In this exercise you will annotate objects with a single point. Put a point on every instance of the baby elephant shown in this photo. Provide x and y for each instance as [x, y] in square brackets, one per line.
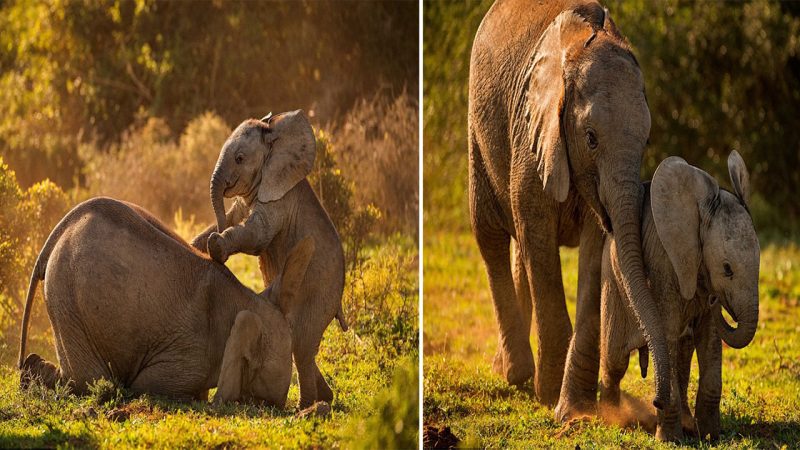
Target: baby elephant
[130, 301]
[264, 163]
[701, 254]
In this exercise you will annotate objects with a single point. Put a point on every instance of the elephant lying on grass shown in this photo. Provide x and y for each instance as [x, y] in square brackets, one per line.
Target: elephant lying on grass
[702, 254]
[264, 163]
[130, 301]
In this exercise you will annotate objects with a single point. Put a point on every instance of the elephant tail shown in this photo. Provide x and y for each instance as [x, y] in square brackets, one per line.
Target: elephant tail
[36, 276]
[340, 318]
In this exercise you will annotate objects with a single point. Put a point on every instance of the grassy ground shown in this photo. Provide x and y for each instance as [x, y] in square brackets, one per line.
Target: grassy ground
[761, 383]
[372, 369]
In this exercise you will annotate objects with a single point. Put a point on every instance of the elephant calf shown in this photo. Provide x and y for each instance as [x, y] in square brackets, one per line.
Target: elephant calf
[702, 254]
[264, 164]
[130, 301]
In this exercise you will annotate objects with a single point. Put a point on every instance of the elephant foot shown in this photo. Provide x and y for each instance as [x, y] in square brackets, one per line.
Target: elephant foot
[36, 369]
[669, 430]
[668, 436]
[708, 427]
[324, 392]
[567, 410]
[516, 370]
[548, 393]
[216, 248]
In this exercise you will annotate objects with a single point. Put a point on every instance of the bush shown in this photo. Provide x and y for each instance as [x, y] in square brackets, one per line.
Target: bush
[354, 223]
[377, 146]
[150, 169]
[26, 219]
[395, 423]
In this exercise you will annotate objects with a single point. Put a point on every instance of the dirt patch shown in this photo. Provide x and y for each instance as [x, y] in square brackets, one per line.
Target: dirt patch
[631, 413]
[439, 437]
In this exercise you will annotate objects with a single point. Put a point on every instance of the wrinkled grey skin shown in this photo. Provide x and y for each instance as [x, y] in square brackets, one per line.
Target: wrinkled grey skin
[264, 163]
[702, 254]
[558, 123]
[132, 302]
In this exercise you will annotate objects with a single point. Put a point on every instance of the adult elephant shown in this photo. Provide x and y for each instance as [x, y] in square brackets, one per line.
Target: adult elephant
[558, 123]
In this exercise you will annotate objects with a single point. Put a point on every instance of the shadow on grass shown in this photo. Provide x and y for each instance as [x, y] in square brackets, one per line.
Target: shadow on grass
[780, 433]
[52, 437]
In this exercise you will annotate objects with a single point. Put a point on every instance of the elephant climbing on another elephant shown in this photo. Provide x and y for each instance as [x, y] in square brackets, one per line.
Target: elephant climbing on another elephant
[130, 301]
[702, 255]
[264, 163]
[558, 123]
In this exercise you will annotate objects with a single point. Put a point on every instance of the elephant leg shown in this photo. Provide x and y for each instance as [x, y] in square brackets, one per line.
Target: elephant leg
[515, 361]
[685, 353]
[516, 358]
[250, 237]
[579, 386]
[553, 327]
[36, 369]
[709, 389]
[522, 289]
[614, 351]
[669, 419]
[305, 345]
[324, 392]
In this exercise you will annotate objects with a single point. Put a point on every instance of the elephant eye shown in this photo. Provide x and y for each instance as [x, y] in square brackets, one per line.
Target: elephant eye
[728, 270]
[239, 158]
[591, 139]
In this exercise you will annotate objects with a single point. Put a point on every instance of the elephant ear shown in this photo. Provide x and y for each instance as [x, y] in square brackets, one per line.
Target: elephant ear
[740, 179]
[560, 42]
[680, 195]
[292, 145]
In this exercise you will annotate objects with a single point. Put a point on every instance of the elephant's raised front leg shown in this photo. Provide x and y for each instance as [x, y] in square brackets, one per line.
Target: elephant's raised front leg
[235, 215]
[579, 386]
[251, 237]
[709, 390]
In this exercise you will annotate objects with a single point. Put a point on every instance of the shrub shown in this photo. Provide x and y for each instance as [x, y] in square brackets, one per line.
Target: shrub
[354, 223]
[394, 423]
[377, 146]
[26, 219]
[150, 169]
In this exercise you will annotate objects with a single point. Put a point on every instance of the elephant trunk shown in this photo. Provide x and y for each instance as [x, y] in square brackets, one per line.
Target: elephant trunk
[742, 335]
[626, 222]
[218, 186]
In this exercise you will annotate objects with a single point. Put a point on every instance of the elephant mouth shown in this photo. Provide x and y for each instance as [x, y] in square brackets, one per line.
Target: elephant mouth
[725, 306]
[230, 188]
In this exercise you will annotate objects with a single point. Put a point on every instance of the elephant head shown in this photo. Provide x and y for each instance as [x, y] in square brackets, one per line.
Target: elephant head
[257, 362]
[708, 230]
[263, 159]
[588, 125]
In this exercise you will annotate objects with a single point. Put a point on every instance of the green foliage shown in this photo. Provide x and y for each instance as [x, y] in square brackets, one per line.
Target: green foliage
[395, 422]
[76, 72]
[760, 405]
[354, 223]
[106, 393]
[377, 145]
[169, 174]
[26, 218]
[719, 76]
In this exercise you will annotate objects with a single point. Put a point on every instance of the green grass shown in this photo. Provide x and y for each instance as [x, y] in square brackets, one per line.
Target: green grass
[372, 369]
[761, 384]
